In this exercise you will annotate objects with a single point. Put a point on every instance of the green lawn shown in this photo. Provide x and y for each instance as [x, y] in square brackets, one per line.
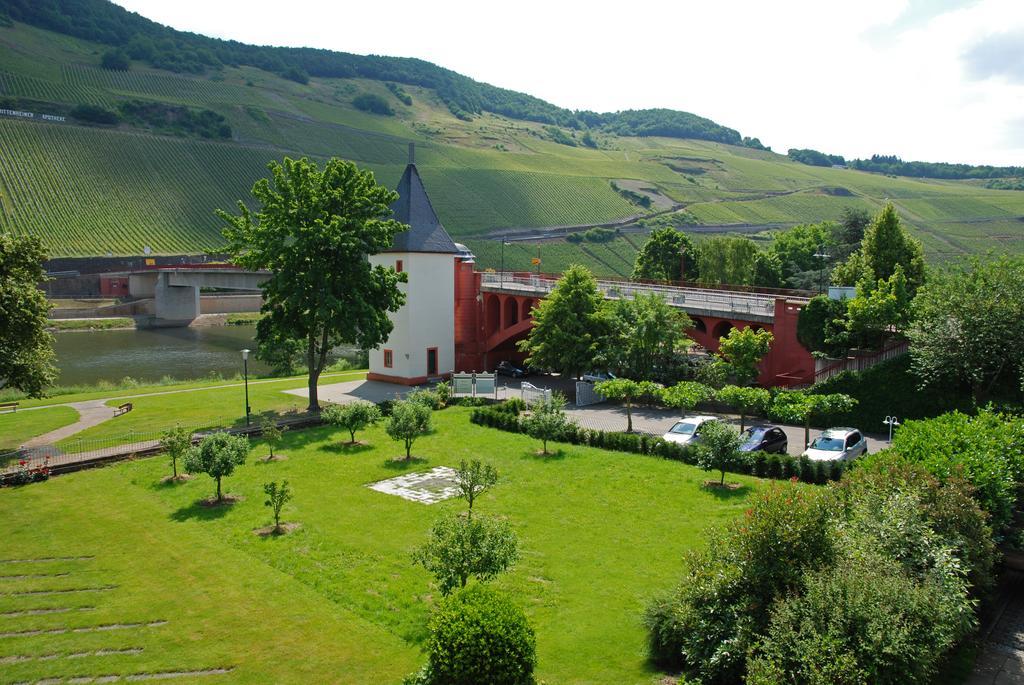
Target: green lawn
[17, 427]
[338, 599]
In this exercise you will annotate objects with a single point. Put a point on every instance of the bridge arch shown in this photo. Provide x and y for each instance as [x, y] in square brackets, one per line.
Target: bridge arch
[721, 330]
[492, 314]
[511, 317]
[527, 309]
[698, 325]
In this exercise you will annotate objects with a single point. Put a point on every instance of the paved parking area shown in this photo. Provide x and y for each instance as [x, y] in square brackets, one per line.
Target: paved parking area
[657, 421]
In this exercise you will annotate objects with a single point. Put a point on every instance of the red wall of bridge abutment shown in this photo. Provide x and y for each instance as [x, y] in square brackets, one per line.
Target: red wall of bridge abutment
[481, 316]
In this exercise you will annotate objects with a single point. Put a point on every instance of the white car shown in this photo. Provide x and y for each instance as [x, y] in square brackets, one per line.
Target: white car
[598, 376]
[687, 431]
[837, 444]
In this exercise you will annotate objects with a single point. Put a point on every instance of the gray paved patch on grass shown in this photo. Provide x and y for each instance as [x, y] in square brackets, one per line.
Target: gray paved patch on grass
[428, 487]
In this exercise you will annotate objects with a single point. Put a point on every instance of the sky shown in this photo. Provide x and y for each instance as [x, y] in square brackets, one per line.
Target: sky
[932, 80]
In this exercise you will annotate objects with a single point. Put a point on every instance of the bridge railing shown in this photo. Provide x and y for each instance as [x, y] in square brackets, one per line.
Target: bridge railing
[698, 298]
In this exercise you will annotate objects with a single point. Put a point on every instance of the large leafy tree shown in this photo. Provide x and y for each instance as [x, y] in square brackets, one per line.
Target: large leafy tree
[879, 310]
[461, 547]
[646, 336]
[668, 255]
[745, 400]
[719, 448]
[569, 326]
[26, 349]
[728, 260]
[314, 230]
[743, 349]
[887, 245]
[968, 326]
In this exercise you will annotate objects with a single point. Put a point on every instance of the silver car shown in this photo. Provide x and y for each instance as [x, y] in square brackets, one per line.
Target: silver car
[687, 431]
[841, 444]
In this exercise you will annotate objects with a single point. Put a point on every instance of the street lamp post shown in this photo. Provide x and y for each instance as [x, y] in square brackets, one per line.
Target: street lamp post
[245, 367]
[891, 422]
[504, 242]
[822, 255]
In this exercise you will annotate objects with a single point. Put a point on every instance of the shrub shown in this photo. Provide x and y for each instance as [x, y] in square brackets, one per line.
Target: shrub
[428, 398]
[352, 416]
[724, 600]
[513, 405]
[408, 421]
[987, 450]
[373, 103]
[115, 59]
[461, 547]
[864, 621]
[479, 636]
[217, 455]
[95, 115]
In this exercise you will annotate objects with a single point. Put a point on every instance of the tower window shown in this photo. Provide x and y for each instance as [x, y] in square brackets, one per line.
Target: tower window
[389, 359]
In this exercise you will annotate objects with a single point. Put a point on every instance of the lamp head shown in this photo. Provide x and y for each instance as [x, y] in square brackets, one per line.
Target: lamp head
[245, 354]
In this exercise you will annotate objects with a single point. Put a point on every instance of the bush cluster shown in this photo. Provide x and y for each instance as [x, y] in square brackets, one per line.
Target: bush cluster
[505, 416]
[373, 103]
[872, 580]
[478, 636]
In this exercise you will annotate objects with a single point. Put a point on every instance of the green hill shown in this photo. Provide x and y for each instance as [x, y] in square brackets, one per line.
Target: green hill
[93, 189]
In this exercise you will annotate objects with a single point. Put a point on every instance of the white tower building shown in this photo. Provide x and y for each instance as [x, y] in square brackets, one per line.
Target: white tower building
[422, 343]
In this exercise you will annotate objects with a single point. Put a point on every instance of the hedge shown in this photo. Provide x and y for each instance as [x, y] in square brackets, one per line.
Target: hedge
[505, 417]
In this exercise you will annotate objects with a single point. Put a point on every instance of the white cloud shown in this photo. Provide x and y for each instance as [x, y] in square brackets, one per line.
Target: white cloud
[847, 78]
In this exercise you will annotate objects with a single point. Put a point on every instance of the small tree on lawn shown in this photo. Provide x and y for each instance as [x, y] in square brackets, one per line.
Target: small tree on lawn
[352, 416]
[176, 442]
[271, 432]
[408, 421]
[626, 391]
[547, 420]
[687, 395]
[472, 478]
[800, 407]
[719, 448]
[744, 400]
[277, 497]
[217, 456]
[461, 548]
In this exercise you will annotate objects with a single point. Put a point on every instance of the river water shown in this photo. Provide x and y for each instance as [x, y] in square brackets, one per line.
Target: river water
[87, 357]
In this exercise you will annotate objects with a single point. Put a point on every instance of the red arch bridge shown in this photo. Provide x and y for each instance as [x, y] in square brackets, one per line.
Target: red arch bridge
[493, 313]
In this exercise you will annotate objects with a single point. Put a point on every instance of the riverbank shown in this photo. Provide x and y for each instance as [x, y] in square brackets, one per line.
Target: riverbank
[209, 403]
[124, 323]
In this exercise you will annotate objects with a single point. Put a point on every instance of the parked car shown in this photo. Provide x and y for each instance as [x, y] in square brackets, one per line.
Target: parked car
[686, 431]
[507, 368]
[766, 438]
[837, 443]
[598, 376]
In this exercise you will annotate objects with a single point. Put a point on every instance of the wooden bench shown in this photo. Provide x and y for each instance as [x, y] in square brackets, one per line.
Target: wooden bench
[123, 409]
[9, 406]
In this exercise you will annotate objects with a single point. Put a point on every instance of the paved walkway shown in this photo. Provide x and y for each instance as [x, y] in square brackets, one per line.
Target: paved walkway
[1001, 658]
[90, 413]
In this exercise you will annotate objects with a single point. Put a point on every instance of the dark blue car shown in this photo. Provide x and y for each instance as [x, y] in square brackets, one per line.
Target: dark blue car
[766, 438]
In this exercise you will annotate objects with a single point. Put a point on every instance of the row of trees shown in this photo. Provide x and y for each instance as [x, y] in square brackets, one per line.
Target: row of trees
[797, 257]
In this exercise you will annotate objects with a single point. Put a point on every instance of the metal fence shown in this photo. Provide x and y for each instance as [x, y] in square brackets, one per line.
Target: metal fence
[890, 351]
[77, 452]
[694, 298]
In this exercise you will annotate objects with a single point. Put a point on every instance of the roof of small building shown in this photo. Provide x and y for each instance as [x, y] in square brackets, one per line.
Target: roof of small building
[425, 234]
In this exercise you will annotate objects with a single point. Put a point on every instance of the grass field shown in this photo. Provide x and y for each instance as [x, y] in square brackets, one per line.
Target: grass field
[93, 190]
[338, 600]
[17, 427]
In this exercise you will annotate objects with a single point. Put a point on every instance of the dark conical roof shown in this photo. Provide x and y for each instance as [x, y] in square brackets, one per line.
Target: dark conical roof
[425, 234]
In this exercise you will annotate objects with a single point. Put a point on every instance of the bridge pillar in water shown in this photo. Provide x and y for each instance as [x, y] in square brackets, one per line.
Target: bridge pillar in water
[175, 303]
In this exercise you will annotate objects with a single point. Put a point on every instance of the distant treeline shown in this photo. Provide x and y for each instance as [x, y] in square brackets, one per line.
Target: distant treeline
[893, 165]
[166, 48]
